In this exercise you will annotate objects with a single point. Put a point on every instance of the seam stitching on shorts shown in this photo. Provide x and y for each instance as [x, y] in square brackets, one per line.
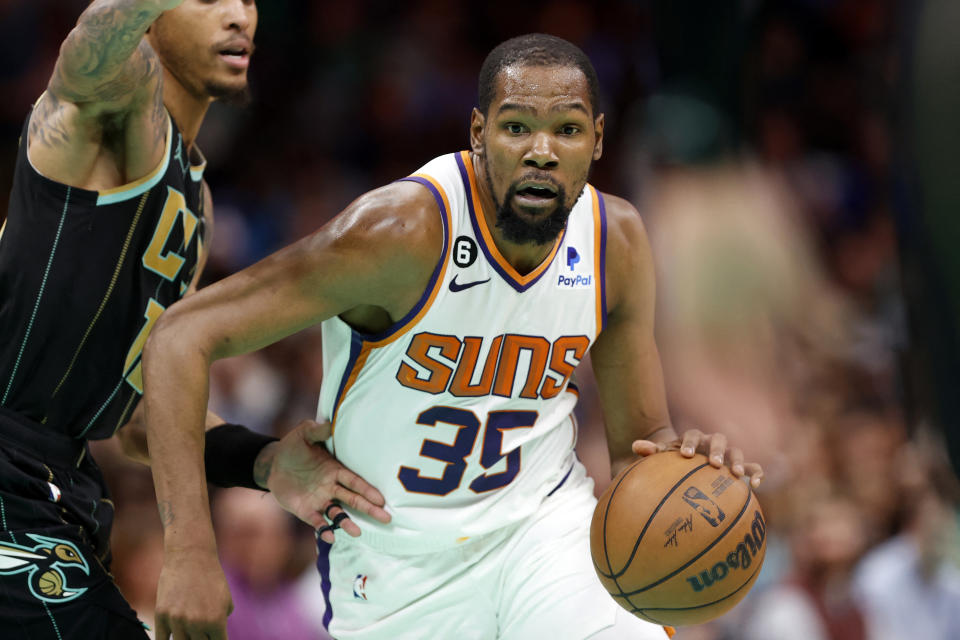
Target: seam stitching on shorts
[52, 619]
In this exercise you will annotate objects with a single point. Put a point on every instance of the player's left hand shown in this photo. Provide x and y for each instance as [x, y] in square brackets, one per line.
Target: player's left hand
[712, 445]
[312, 484]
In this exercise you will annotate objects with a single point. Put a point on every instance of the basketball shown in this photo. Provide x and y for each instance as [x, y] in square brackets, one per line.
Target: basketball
[676, 541]
[50, 583]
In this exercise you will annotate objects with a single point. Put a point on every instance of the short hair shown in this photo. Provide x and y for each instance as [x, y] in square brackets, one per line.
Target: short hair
[535, 50]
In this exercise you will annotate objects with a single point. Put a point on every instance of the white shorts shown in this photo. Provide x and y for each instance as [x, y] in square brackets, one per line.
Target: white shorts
[534, 579]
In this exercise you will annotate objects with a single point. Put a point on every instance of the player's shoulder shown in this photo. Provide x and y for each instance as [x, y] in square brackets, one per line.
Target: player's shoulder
[628, 256]
[625, 228]
[621, 213]
[402, 209]
[401, 219]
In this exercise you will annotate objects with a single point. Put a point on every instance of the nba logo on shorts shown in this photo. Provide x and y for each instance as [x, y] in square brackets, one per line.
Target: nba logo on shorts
[360, 587]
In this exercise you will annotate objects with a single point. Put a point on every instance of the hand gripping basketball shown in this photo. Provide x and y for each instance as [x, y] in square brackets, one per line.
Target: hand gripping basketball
[676, 540]
[713, 445]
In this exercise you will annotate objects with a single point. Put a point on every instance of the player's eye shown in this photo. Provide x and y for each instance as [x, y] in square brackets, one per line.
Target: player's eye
[515, 128]
[569, 130]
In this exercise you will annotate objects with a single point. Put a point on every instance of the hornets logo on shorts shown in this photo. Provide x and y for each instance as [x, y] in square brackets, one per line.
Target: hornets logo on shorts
[44, 565]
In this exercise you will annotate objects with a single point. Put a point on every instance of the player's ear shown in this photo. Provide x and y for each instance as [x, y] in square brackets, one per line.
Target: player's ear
[598, 132]
[477, 122]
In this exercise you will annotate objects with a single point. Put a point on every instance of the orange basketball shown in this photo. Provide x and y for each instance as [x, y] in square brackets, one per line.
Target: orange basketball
[676, 541]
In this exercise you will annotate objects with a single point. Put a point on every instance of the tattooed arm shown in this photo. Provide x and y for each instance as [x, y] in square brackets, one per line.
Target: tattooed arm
[104, 59]
[101, 122]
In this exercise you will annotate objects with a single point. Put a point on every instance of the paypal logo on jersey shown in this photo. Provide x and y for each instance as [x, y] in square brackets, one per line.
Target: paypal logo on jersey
[573, 281]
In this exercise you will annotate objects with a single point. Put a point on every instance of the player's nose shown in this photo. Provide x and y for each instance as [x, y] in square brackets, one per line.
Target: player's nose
[541, 153]
[236, 14]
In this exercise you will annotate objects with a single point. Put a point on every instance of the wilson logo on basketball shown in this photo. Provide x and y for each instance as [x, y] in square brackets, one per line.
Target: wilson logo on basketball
[739, 558]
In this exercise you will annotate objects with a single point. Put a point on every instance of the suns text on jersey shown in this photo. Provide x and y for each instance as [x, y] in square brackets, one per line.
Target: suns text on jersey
[437, 363]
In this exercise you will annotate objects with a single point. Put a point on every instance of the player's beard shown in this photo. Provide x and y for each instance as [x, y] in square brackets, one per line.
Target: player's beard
[520, 231]
[236, 96]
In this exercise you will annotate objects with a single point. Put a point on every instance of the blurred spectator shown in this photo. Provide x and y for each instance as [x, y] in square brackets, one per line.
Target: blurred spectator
[257, 543]
[909, 585]
[814, 602]
[137, 543]
[749, 324]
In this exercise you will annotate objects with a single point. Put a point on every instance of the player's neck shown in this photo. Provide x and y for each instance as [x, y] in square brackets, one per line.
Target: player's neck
[523, 257]
[186, 108]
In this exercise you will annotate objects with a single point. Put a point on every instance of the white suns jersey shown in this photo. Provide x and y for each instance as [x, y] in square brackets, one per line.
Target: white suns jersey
[461, 413]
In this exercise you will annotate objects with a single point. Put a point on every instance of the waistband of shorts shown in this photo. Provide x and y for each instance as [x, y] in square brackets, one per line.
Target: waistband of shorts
[416, 545]
[40, 441]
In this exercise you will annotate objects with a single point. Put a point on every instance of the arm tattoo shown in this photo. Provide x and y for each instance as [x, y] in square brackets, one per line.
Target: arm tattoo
[104, 58]
[47, 124]
[158, 115]
[166, 513]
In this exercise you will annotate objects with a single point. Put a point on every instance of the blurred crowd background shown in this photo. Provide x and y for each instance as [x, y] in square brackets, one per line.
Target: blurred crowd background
[761, 140]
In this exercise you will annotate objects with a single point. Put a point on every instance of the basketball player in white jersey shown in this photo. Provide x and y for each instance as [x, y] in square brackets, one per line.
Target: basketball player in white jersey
[456, 304]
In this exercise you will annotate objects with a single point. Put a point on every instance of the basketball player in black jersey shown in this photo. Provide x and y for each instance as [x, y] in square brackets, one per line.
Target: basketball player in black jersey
[108, 225]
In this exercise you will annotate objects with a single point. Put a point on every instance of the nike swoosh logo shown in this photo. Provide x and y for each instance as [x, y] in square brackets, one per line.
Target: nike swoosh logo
[466, 285]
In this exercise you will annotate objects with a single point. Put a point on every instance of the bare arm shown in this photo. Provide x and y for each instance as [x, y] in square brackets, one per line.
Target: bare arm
[627, 364]
[133, 434]
[625, 359]
[104, 57]
[377, 255]
[105, 92]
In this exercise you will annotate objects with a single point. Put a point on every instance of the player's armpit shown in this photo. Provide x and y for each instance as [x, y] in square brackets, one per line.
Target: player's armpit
[107, 85]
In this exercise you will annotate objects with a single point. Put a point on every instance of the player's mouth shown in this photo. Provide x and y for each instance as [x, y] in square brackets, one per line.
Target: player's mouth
[236, 53]
[535, 194]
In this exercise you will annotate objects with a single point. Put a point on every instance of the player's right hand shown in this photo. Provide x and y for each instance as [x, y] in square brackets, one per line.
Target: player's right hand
[193, 599]
[312, 484]
[712, 445]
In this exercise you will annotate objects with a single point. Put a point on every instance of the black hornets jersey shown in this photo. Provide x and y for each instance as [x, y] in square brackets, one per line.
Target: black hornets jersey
[84, 275]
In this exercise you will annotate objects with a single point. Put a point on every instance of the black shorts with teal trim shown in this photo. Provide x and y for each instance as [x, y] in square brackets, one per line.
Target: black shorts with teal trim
[55, 521]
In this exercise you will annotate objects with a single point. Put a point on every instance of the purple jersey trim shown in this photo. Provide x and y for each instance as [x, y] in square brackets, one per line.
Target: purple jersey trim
[323, 566]
[602, 276]
[565, 476]
[356, 346]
